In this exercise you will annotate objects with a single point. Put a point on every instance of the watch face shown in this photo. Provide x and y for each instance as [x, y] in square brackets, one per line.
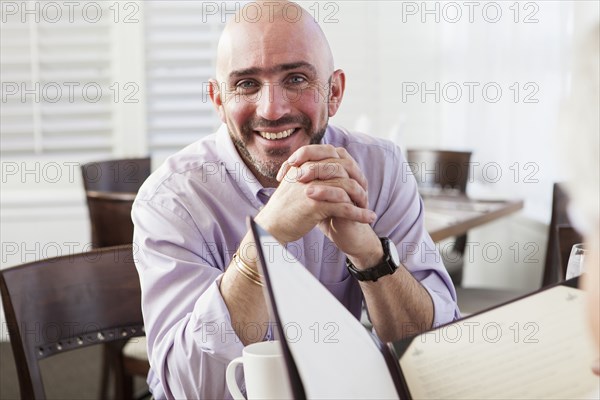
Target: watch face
[394, 253]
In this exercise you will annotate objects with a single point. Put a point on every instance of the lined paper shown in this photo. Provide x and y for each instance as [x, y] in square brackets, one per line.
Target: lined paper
[537, 347]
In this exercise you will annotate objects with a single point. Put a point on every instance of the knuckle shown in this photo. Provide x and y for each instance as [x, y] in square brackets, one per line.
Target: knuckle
[348, 208]
[330, 148]
[334, 169]
[292, 174]
[342, 152]
[309, 170]
[342, 195]
[300, 153]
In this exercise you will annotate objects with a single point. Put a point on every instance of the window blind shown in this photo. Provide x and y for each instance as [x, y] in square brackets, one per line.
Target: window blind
[56, 74]
[181, 43]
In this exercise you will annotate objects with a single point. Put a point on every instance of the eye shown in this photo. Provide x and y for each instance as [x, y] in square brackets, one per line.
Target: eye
[246, 85]
[297, 80]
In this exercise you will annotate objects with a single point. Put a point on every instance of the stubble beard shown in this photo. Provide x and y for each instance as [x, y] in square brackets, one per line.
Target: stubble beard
[267, 169]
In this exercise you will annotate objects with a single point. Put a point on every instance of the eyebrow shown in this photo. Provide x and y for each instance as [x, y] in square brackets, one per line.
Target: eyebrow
[278, 68]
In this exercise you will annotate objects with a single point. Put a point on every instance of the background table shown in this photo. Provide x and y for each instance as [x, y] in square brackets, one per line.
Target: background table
[448, 216]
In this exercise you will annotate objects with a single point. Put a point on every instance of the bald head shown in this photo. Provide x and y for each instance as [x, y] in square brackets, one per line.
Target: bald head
[262, 31]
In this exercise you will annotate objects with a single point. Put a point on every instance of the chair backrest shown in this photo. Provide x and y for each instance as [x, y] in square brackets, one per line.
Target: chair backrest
[120, 176]
[110, 188]
[110, 218]
[567, 238]
[443, 168]
[559, 217]
[69, 302]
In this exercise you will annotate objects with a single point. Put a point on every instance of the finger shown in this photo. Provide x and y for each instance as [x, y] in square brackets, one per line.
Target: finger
[347, 211]
[321, 170]
[330, 194]
[330, 169]
[283, 170]
[312, 152]
[352, 167]
[355, 193]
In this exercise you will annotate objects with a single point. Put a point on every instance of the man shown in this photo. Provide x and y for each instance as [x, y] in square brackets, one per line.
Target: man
[323, 192]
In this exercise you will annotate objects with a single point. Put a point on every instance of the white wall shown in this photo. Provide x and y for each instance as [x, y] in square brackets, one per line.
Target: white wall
[513, 133]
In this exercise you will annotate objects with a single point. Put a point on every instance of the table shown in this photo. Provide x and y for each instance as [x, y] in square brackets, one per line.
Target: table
[448, 216]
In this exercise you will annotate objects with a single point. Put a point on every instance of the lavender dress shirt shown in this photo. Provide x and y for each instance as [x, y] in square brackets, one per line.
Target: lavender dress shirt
[189, 219]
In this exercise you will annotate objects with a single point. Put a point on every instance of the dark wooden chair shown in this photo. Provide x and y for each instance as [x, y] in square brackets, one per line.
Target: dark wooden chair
[82, 299]
[567, 237]
[110, 218]
[552, 269]
[111, 187]
[119, 175]
[447, 171]
[442, 168]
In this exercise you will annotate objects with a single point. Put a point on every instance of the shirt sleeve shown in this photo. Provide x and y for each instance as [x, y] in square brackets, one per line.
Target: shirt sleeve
[188, 328]
[401, 218]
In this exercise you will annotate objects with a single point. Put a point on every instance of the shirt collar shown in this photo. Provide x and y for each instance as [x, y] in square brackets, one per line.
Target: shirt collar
[237, 169]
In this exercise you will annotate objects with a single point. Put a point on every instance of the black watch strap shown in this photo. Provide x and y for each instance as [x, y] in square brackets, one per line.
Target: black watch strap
[387, 266]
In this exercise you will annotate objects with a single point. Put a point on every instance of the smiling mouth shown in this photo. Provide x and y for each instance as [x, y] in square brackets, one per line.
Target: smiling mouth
[277, 135]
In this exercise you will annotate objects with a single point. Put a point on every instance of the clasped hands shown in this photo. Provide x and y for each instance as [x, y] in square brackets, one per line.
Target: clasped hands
[321, 185]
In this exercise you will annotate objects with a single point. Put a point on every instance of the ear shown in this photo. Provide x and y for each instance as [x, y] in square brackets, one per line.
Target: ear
[336, 91]
[215, 97]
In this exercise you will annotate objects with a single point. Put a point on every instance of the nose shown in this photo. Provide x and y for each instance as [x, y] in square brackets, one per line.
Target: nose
[272, 103]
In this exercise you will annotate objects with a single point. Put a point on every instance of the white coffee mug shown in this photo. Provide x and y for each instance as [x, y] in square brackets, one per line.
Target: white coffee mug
[264, 372]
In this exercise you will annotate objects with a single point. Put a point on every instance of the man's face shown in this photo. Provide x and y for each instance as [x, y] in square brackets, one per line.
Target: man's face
[275, 95]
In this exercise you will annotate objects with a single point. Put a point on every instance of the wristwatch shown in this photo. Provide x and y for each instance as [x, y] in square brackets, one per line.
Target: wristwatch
[389, 265]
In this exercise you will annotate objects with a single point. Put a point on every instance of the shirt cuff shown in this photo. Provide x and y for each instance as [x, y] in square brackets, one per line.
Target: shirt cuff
[445, 309]
[212, 327]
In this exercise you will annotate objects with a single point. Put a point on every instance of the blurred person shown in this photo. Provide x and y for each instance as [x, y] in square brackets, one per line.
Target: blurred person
[343, 204]
[580, 132]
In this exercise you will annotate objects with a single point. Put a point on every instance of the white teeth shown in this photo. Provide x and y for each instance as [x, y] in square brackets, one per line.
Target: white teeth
[278, 135]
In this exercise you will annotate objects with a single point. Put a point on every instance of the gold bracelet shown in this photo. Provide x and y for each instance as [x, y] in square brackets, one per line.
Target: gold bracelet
[246, 271]
[246, 266]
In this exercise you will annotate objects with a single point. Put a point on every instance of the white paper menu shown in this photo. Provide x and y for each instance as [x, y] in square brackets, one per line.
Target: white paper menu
[535, 348]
